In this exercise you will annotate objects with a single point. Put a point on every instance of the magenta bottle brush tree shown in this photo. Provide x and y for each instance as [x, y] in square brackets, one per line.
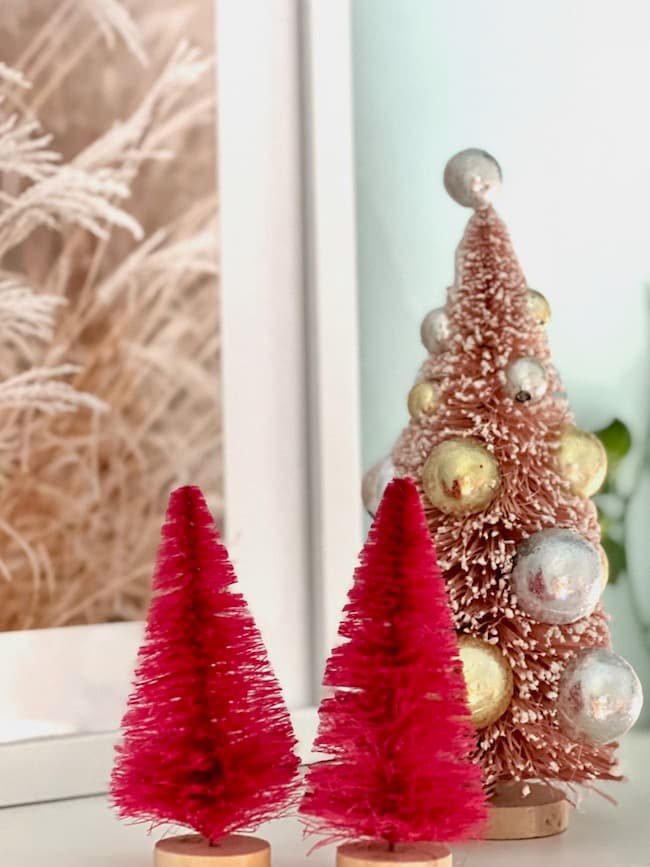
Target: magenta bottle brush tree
[207, 739]
[395, 730]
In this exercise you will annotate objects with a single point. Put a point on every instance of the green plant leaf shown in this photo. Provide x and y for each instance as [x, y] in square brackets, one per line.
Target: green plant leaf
[617, 440]
[605, 522]
[617, 557]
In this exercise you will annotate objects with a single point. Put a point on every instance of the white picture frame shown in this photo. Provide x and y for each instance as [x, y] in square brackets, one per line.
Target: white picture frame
[290, 397]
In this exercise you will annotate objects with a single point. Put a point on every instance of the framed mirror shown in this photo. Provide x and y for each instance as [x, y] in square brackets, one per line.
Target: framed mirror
[250, 213]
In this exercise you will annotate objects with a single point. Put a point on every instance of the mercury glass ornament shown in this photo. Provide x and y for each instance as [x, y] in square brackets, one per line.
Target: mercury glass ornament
[582, 461]
[488, 678]
[374, 484]
[538, 307]
[434, 330]
[526, 378]
[461, 476]
[599, 697]
[558, 576]
[423, 399]
[604, 559]
[473, 178]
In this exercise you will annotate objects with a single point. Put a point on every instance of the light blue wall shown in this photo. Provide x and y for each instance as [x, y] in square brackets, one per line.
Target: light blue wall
[558, 93]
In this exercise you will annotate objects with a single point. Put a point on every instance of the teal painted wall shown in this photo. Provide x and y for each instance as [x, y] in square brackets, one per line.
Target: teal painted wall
[557, 93]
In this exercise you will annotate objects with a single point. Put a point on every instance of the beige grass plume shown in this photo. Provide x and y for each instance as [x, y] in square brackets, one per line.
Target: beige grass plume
[109, 309]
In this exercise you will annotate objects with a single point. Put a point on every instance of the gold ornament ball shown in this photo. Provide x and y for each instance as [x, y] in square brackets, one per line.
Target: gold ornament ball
[488, 678]
[582, 461]
[423, 399]
[461, 476]
[538, 307]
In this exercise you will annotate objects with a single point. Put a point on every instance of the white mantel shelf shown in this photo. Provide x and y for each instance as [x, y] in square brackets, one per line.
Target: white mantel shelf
[84, 833]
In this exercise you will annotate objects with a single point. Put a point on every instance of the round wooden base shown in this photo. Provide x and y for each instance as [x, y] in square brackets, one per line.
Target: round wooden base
[520, 811]
[378, 855]
[192, 850]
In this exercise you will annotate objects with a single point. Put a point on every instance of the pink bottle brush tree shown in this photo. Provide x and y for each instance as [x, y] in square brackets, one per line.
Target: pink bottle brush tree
[506, 480]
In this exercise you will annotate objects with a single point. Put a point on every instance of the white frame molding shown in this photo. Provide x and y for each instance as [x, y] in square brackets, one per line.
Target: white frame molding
[80, 765]
[332, 314]
[291, 398]
[264, 354]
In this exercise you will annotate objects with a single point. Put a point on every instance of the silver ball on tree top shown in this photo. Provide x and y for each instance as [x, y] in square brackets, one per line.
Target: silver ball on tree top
[599, 697]
[526, 378]
[557, 576]
[435, 330]
[374, 484]
[472, 178]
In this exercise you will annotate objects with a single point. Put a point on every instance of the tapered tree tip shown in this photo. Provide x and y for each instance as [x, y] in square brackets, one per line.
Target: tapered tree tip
[186, 495]
[187, 503]
[400, 492]
[401, 506]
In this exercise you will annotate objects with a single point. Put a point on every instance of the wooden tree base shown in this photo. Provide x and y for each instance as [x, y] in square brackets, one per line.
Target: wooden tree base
[378, 855]
[192, 850]
[515, 815]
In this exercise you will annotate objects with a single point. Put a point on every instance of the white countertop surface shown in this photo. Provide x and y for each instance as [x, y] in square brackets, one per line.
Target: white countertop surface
[84, 833]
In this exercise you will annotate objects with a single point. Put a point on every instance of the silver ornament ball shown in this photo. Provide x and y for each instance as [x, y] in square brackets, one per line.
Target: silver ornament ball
[557, 576]
[374, 484]
[472, 178]
[526, 379]
[599, 697]
[435, 330]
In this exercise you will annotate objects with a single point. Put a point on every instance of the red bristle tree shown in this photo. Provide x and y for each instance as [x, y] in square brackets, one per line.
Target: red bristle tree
[396, 728]
[207, 739]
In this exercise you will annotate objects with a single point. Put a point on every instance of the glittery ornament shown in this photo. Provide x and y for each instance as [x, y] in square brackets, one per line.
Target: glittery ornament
[461, 476]
[604, 560]
[582, 461]
[374, 484]
[488, 678]
[538, 307]
[434, 330]
[472, 178]
[423, 399]
[526, 379]
[600, 696]
[558, 576]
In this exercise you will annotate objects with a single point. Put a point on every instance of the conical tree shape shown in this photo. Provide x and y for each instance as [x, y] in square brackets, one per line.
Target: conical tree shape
[396, 729]
[490, 325]
[207, 739]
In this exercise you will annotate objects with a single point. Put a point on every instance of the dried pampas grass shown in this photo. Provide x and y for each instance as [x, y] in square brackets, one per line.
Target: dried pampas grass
[109, 325]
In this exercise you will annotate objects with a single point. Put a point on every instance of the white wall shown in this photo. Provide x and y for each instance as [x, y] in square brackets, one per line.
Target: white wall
[558, 92]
